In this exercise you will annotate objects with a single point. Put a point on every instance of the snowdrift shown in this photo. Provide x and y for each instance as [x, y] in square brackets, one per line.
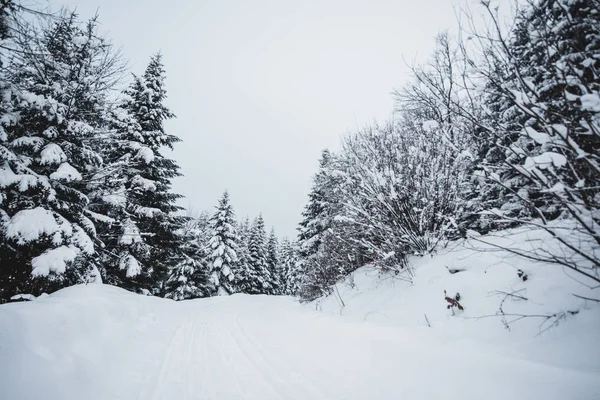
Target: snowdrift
[523, 308]
[100, 342]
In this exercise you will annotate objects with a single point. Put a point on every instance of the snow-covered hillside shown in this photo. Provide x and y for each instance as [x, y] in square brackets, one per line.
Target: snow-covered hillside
[101, 342]
[522, 308]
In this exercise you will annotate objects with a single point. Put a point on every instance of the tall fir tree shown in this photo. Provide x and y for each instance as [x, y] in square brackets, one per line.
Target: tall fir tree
[223, 247]
[145, 240]
[290, 273]
[259, 280]
[190, 277]
[59, 85]
[242, 267]
[316, 217]
[316, 240]
[273, 262]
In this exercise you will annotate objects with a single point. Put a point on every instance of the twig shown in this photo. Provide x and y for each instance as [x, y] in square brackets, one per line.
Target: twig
[586, 298]
[513, 294]
[427, 320]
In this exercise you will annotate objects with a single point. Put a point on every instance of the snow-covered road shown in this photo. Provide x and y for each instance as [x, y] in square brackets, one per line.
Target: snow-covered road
[102, 343]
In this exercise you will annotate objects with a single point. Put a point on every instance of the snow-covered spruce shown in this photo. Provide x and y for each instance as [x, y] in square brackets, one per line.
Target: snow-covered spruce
[53, 96]
[223, 246]
[141, 243]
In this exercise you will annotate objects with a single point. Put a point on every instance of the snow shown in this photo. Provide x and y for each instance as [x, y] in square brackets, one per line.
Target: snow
[51, 132]
[146, 154]
[31, 98]
[28, 297]
[538, 137]
[545, 160]
[32, 142]
[590, 102]
[52, 154]
[100, 217]
[29, 225]
[493, 296]
[431, 125]
[131, 233]
[117, 198]
[143, 183]
[390, 338]
[82, 240]
[8, 178]
[130, 265]
[54, 260]
[66, 172]
[148, 211]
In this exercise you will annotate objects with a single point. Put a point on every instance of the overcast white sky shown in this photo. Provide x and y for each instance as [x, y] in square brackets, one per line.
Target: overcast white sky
[261, 87]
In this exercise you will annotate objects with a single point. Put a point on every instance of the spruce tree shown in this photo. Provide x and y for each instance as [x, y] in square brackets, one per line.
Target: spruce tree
[316, 215]
[143, 242]
[260, 278]
[316, 241]
[290, 273]
[242, 267]
[58, 83]
[223, 246]
[189, 278]
[273, 262]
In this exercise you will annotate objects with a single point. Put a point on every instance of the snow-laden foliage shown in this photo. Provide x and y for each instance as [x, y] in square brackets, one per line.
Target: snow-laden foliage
[223, 246]
[273, 261]
[289, 268]
[85, 192]
[541, 126]
[256, 278]
[54, 90]
[497, 130]
[134, 189]
[189, 278]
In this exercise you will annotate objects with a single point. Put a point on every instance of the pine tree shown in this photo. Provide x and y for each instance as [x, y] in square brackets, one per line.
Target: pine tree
[141, 237]
[223, 246]
[59, 84]
[242, 267]
[273, 262]
[259, 277]
[203, 234]
[319, 247]
[317, 214]
[189, 278]
[290, 273]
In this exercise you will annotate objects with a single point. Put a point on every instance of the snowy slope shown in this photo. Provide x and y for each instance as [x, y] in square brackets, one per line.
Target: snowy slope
[542, 321]
[100, 342]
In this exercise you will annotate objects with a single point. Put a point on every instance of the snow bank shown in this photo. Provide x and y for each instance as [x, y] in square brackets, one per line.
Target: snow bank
[29, 225]
[71, 344]
[522, 308]
[393, 340]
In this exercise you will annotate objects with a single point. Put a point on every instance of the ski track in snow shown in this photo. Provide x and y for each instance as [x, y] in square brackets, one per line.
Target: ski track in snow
[251, 347]
[236, 357]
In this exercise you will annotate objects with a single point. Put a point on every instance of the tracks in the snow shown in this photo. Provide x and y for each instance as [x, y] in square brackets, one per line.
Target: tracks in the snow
[213, 355]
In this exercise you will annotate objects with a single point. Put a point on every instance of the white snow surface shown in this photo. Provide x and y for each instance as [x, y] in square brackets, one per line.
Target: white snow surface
[54, 260]
[146, 154]
[29, 225]
[52, 154]
[430, 125]
[131, 265]
[66, 172]
[101, 342]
